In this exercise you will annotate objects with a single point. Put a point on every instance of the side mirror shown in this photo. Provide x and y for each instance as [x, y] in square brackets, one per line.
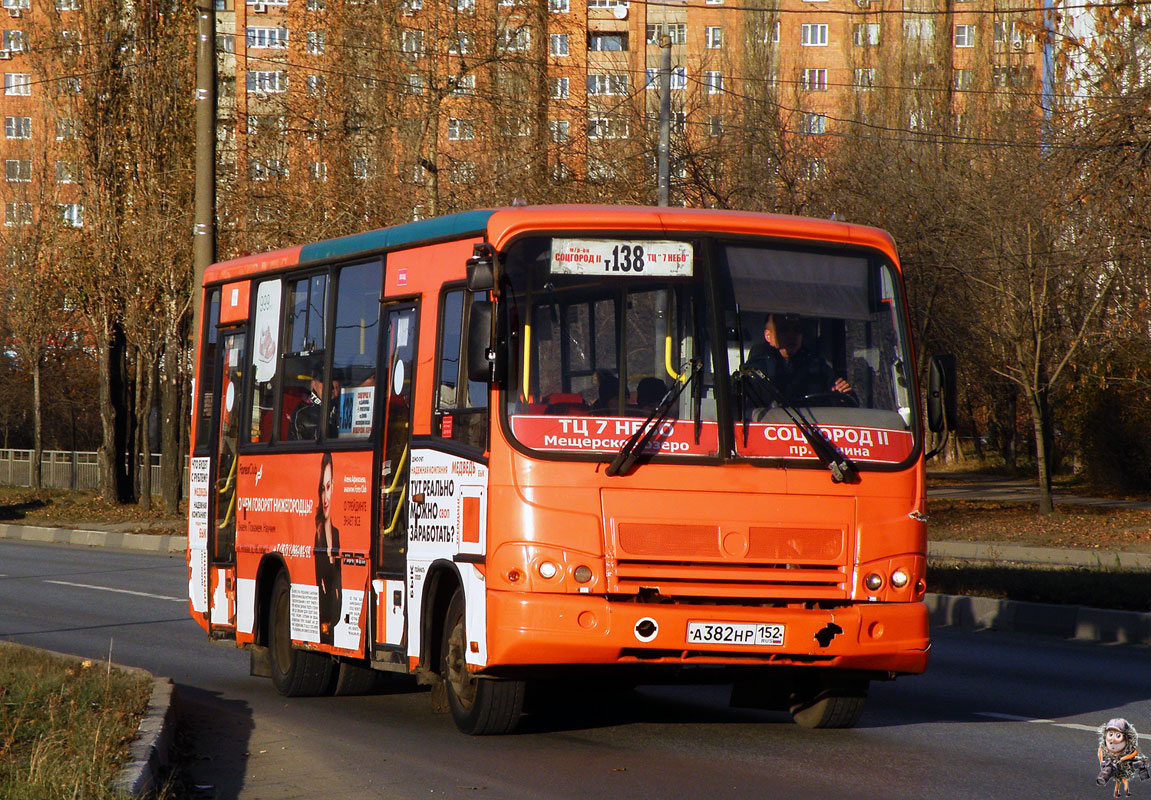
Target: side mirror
[481, 268]
[941, 394]
[481, 356]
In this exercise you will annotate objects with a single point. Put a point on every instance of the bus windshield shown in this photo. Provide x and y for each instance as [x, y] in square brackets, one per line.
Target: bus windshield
[601, 329]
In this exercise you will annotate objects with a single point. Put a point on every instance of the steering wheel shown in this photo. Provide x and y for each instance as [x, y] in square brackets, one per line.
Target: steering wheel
[839, 399]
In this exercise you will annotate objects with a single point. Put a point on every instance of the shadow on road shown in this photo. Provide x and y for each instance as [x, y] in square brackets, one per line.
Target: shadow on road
[212, 742]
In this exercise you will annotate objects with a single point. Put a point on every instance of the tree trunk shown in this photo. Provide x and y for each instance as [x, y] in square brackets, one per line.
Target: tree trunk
[145, 393]
[37, 424]
[107, 451]
[171, 455]
[121, 391]
[1036, 400]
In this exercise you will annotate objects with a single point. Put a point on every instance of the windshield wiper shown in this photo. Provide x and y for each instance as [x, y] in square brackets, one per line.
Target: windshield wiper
[636, 443]
[843, 469]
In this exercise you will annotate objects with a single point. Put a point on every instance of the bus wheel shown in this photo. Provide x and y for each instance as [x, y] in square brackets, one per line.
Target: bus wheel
[353, 679]
[295, 673]
[829, 704]
[479, 706]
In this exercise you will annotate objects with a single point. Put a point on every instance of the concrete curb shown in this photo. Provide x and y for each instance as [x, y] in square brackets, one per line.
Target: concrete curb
[1068, 622]
[155, 543]
[1054, 556]
[153, 743]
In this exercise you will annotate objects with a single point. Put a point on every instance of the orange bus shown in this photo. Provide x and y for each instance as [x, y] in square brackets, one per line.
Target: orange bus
[550, 443]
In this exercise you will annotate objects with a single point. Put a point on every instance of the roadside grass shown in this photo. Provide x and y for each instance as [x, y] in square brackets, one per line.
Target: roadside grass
[63, 508]
[1098, 588]
[65, 725]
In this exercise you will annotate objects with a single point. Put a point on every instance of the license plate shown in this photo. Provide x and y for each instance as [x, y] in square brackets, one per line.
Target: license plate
[745, 634]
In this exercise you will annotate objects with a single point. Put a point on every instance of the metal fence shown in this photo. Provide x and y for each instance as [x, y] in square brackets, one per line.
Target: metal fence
[61, 469]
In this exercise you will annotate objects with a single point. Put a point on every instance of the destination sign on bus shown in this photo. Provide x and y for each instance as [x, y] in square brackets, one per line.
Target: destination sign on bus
[622, 258]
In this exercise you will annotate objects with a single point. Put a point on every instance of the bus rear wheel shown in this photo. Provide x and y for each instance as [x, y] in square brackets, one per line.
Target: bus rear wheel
[479, 706]
[295, 673]
[828, 703]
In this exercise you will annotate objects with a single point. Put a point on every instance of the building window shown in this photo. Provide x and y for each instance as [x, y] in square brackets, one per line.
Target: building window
[607, 42]
[315, 129]
[225, 43]
[361, 168]
[461, 43]
[66, 172]
[815, 124]
[677, 32]
[66, 128]
[678, 78]
[18, 170]
[715, 125]
[316, 85]
[514, 39]
[275, 38]
[67, 5]
[17, 83]
[267, 81]
[560, 130]
[1008, 33]
[813, 34]
[964, 79]
[558, 44]
[866, 34]
[15, 41]
[863, 78]
[463, 84]
[559, 6]
[315, 5]
[73, 84]
[267, 169]
[461, 129]
[607, 3]
[773, 34]
[713, 36]
[1009, 77]
[560, 88]
[463, 172]
[17, 213]
[813, 169]
[412, 42]
[607, 84]
[17, 127]
[415, 83]
[17, 4]
[410, 7]
[318, 171]
[317, 42]
[607, 128]
[713, 80]
[965, 36]
[72, 214]
[813, 80]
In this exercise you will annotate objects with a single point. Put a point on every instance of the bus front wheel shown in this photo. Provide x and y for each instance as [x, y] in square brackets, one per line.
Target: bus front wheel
[295, 673]
[828, 703]
[479, 706]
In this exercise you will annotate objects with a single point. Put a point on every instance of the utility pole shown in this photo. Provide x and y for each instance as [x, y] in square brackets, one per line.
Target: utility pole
[204, 224]
[664, 166]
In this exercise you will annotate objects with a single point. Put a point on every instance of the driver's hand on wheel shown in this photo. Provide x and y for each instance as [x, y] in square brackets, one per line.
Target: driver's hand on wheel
[841, 385]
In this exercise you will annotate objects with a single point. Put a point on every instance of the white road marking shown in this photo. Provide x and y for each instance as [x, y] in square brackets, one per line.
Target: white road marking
[1016, 718]
[121, 591]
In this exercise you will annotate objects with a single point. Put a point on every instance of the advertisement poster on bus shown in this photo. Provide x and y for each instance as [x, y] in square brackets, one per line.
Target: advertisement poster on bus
[315, 510]
[579, 434]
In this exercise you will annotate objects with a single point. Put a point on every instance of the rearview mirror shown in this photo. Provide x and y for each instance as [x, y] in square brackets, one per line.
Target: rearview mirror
[941, 394]
[481, 356]
[481, 268]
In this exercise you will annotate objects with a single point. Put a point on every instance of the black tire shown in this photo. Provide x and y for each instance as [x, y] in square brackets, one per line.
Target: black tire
[352, 679]
[834, 705]
[479, 706]
[295, 673]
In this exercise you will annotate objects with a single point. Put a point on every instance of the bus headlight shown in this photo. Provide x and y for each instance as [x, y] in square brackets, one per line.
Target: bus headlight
[873, 581]
[582, 573]
[899, 579]
[548, 569]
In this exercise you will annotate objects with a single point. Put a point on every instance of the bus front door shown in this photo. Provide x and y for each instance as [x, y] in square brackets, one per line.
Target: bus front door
[222, 509]
[390, 553]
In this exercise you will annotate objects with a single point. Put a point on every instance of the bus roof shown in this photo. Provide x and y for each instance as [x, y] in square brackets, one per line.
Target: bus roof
[500, 225]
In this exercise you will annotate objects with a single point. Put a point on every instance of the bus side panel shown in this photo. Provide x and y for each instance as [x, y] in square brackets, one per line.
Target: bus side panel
[447, 522]
[282, 510]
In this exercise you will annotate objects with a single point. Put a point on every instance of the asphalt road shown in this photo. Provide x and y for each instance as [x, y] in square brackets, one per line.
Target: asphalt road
[996, 715]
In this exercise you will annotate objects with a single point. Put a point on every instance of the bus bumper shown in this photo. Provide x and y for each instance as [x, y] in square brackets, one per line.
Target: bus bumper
[538, 629]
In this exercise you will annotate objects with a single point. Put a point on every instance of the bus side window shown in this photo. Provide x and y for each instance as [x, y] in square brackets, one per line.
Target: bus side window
[265, 360]
[354, 347]
[461, 405]
[207, 387]
[302, 385]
